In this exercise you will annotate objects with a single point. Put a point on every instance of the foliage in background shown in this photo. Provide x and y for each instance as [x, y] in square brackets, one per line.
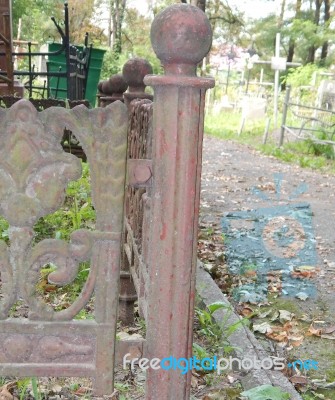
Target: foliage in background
[135, 43]
[302, 76]
[36, 19]
[306, 30]
[37, 26]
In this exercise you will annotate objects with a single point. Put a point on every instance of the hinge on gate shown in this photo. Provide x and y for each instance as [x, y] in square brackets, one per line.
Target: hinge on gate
[139, 172]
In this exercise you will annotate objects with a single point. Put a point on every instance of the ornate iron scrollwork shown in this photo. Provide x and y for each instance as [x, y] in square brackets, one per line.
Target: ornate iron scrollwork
[34, 173]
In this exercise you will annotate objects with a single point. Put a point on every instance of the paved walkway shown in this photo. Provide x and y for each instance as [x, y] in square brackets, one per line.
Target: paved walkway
[237, 178]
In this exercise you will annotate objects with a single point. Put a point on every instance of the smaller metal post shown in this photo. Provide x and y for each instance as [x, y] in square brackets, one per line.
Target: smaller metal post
[66, 42]
[241, 126]
[276, 84]
[266, 131]
[112, 90]
[8, 50]
[134, 72]
[248, 79]
[30, 70]
[285, 109]
[228, 73]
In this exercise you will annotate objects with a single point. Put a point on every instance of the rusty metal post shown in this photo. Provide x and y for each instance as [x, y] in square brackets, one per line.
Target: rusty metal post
[134, 71]
[112, 90]
[6, 37]
[181, 36]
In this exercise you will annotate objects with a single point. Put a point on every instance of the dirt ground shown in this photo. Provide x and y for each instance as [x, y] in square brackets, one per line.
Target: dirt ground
[237, 178]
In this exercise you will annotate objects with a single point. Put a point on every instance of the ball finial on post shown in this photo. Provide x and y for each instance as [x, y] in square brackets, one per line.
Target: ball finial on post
[181, 36]
[134, 71]
[112, 90]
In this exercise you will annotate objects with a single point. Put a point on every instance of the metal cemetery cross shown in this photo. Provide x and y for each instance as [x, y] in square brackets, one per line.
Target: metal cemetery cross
[34, 170]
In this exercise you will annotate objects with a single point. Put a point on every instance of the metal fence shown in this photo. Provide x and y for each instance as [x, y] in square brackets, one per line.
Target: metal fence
[304, 122]
[161, 221]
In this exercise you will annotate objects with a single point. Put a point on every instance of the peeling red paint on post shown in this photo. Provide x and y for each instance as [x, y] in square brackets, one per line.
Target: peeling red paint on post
[181, 37]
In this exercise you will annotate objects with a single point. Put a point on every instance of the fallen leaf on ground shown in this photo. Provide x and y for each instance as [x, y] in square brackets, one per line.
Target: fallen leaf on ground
[318, 395]
[5, 393]
[265, 314]
[305, 318]
[302, 296]
[314, 331]
[295, 340]
[245, 310]
[264, 327]
[325, 336]
[231, 379]
[82, 391]
[278, 336]
[299, 380]
[305, 271]
[283, 316]
[56, 388]
[275, 316]
[328, 330]
[322, 384]
[194, 381]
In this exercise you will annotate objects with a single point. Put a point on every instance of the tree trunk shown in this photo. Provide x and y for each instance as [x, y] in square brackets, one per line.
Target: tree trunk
[202, 5]
[198, 3]
[324, 51]
[312, 49]
[291, 45]
[117, 9]
[110, 25]
[281, 16]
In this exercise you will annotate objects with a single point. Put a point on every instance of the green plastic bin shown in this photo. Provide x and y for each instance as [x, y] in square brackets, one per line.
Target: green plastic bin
[94, 69]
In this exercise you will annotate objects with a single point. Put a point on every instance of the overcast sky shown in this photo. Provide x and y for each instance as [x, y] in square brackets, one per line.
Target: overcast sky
[253, 8]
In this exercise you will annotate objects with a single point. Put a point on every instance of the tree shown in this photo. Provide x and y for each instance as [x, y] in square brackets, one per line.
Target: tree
[312, 49]
[117, 11]
[198, 3]
[80, 16]
[290, 53]
[36, 18]
[324, 51]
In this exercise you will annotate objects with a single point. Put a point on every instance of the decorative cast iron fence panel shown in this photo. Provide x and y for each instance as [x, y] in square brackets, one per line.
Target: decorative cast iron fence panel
[137, 203]
[69, 141]
[34, 171]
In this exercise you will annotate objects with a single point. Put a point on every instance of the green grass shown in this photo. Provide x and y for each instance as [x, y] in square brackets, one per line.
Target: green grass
[76, 213]
[227, 125]
[305, 153]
